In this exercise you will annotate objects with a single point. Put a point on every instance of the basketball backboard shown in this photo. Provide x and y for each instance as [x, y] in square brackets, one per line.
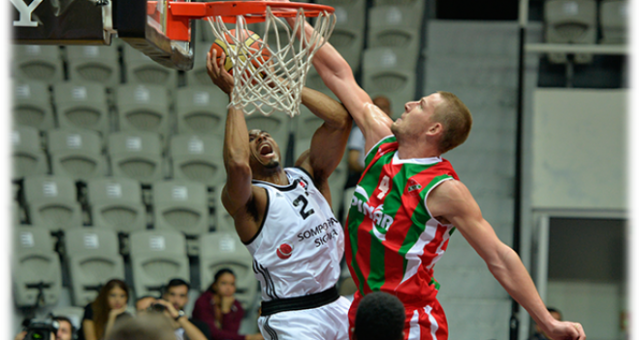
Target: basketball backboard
[140, 23]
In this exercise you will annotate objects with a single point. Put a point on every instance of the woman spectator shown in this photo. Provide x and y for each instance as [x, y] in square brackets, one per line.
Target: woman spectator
[218, 307]
[100, 315]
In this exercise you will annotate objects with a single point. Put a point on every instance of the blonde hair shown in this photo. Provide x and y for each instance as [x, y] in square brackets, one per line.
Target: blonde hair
[456, 120]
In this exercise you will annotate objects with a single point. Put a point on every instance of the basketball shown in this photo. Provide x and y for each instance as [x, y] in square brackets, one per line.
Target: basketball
[252, 43]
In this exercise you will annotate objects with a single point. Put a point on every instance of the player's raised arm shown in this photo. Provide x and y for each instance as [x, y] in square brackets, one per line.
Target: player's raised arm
[452, 202]
[329, 141]
[338, 76]
[236, 155]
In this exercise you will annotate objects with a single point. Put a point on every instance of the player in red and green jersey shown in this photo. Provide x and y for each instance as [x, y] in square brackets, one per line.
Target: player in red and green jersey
[407, 202]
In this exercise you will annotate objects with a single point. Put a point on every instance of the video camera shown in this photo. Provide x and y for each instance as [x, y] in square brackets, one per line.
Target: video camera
[40, 329]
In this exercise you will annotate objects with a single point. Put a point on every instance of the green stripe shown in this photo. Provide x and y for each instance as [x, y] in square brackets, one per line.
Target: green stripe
[368, 183]
[392, 204]
[419, 219]
[374, 151]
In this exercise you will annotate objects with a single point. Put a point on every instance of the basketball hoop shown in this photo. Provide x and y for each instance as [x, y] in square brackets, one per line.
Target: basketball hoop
[274, 84]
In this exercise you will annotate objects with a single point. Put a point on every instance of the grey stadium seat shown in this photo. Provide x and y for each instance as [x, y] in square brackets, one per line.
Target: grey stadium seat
[10, 207]
[37, 62]
[156, 257]
[390, 73]
[76, 154]
[349, 33]
[136, 155]
[82, 106]
[614, 20]
[198, 158]
[570, 22]
[225, 250]
[201, 110]
[32, 105]
[143, 108]
[52, 202]
[181, 206]
[92, 258]
[140, 69]
[96, 64]
[34, 262]
[396, 27]
[28, 157]
[198, 76]
[116, 202]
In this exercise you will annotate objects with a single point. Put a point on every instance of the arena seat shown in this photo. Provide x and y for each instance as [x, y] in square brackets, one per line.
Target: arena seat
[136, 155]
[31, 105]
[156, 257]
[614, 21]
[27, 155]
[10, 207]
[201, 110]
[181, 205]
[96, 64]
[91, 258]
[76, 153]
[140, 69]
[396, 27]
[35, 263]
[143, 107]
[52, 202]
[198, 158]
[225, 250]
[570, 22]
[82, 106]
[390, 73]
[116, 202]
[37, 62]
[348, 35]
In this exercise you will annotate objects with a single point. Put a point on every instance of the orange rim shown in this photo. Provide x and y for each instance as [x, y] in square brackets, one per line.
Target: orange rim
[249, 9]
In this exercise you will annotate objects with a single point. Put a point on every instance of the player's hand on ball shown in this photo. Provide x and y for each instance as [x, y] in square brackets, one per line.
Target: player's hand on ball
[217, 73]
[565, 330]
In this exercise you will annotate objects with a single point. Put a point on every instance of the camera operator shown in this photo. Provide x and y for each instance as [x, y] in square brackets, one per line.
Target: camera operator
[183, 328]
[63, 332]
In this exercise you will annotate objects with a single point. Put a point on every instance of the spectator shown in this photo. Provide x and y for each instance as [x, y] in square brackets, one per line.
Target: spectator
[177, 293]
[143, 304]
[219, 309]
[356, 144]
[539, 334]
[100, 315]
[64, 332]
[143, 327]
[380, 316]
[180, 324]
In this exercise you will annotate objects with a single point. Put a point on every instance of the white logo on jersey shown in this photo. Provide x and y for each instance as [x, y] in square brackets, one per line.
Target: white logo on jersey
[25, 12]
[381, 221]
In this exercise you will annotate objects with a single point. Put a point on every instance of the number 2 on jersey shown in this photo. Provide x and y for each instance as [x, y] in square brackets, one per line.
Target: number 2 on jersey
[304, 201]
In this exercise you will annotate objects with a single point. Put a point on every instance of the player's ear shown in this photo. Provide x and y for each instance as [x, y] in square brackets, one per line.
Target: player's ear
[435, 128]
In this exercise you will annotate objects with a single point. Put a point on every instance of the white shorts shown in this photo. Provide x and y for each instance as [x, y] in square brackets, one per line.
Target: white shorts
[329, 322]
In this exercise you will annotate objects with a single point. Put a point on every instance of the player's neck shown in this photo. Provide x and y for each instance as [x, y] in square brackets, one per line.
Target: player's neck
[410, 150]
[277, 177]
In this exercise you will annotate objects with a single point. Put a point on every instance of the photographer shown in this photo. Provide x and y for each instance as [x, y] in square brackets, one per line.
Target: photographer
[64, 330]
[183, 328]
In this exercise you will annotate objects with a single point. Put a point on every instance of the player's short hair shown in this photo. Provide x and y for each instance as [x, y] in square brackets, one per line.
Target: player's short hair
[456, 118]
[380, 316]
[176, 283]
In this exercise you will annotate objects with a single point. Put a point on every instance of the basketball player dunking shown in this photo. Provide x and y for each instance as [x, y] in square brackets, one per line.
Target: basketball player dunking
[284, 218]
[408, 201]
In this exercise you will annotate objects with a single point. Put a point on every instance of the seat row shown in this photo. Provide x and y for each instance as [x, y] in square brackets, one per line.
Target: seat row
[91, 258]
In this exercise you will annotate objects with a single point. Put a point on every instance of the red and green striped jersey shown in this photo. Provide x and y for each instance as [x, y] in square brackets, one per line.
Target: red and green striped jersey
[392, 241]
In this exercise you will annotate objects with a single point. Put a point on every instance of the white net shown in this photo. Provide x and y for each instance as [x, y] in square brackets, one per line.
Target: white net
[269, 74]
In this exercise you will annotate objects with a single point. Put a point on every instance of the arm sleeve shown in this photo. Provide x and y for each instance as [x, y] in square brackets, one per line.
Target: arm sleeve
[203, 310]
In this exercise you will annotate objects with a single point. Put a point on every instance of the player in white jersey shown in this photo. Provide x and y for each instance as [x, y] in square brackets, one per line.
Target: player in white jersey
[284, 218]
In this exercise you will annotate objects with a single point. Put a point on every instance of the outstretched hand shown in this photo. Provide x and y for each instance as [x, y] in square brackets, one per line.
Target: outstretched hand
[217, 73]
[565, 330]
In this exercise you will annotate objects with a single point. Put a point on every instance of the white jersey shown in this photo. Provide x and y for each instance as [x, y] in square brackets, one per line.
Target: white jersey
[298, 248]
